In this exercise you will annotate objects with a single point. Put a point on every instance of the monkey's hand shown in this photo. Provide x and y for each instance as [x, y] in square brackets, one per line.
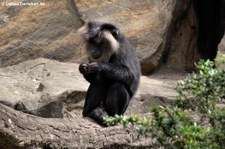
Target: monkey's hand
[94, 67]
[89, 68]
[83, 68]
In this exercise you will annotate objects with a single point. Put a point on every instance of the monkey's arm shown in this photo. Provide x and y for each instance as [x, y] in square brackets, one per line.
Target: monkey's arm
[108, 71]
[116, 72]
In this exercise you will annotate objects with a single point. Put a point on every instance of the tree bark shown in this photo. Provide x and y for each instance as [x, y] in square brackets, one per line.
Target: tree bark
[20, 130]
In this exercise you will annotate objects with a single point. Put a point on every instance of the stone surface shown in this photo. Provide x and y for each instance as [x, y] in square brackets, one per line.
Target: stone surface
[41, 83]
[29, 32]
[183, 50]
[51, 32]
[55, 89]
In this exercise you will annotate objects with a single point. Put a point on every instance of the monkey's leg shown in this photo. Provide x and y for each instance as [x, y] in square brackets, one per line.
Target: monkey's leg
[93, 106]
[117, 99]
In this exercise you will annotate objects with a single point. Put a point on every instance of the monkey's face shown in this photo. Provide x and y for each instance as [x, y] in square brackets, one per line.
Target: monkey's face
[101, 41]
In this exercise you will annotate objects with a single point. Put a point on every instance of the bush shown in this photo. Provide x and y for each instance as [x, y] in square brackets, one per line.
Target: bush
[200, 92]
[194, 120]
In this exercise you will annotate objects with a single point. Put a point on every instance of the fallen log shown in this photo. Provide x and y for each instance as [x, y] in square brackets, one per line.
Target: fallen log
[21, 130]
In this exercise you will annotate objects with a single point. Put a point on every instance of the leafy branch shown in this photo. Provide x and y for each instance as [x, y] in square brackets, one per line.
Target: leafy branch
[193, 120]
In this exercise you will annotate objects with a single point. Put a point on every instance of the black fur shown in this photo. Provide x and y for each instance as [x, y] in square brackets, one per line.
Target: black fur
[113, 82]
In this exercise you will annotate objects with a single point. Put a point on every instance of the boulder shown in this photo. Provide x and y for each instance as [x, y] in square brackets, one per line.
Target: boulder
[50, 88]
[52, 31]
[43, 86]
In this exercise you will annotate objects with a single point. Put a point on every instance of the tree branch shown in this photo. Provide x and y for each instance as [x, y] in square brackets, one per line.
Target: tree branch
[20, 130]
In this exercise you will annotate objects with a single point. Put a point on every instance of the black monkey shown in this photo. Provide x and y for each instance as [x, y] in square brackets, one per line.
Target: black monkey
[113, 70]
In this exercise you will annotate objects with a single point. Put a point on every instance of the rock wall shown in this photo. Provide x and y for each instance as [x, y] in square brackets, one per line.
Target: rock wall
[170, 32]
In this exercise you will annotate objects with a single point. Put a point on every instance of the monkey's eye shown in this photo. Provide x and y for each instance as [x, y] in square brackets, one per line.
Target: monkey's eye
[115, 33]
